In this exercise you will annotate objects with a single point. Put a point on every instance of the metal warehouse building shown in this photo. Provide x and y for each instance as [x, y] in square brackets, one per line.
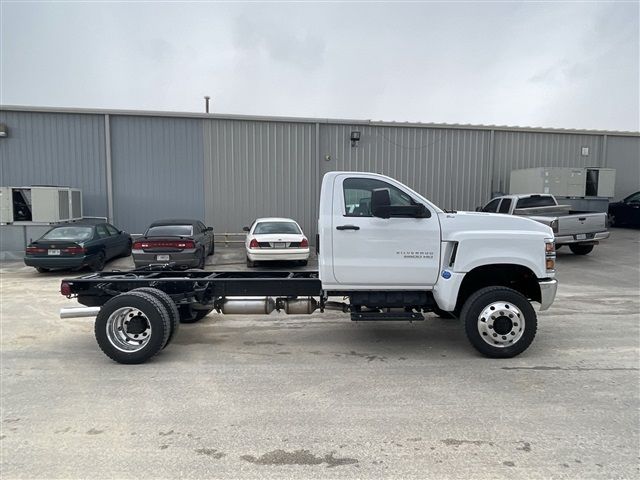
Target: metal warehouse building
[136, 166]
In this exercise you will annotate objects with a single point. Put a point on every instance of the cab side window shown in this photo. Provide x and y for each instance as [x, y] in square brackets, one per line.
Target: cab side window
[357, 196]
[505, 205]
[492, 206]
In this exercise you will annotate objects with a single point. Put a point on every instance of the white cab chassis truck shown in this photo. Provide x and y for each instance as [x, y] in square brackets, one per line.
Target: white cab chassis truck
[385, 252]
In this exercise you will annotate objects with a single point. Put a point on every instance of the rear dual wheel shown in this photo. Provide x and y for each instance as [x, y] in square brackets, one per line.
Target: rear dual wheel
[133, 327]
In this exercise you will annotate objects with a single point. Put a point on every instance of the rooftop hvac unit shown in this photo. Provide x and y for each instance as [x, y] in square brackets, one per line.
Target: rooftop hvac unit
[564, 182]
[15, 205]
[55, 204]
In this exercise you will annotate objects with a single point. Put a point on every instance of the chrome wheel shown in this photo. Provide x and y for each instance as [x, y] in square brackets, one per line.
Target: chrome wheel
[128, 329]
[501, 324]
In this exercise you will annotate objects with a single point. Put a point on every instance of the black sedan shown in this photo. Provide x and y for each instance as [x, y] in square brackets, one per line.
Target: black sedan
[77, 245]
[179, 242]
[625, 213]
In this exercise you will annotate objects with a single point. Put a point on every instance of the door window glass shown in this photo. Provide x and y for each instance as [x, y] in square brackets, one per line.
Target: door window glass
[357, 196]
[492, 206]
[102, 231]
[505, 205]
[112, 230]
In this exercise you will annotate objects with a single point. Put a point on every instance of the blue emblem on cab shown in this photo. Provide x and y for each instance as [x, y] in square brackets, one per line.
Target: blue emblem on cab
[446, 274]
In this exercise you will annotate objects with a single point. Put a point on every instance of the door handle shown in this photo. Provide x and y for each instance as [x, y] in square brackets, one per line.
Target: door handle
[347, 227]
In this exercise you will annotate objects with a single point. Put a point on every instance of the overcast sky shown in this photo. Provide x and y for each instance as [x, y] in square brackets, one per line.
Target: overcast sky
[571, 65]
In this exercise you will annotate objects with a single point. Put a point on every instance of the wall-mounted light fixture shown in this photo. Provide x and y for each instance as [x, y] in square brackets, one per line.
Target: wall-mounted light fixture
[355, 138]
[4, 130]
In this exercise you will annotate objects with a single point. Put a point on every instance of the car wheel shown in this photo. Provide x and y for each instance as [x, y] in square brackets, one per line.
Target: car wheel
[212, 249]
[132, 327]
[581, 249]
[304, 263]
[98, 262]
[42, 269]
[169, 305]
[127, 251]
[612, 220]
[250, 263]
[499, 322]
[201, 261]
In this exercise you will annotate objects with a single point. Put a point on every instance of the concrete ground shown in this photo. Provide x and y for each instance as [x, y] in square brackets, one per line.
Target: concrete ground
[322, 397]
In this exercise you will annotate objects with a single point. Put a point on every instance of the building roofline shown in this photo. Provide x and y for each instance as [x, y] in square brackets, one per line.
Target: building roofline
[354, 122]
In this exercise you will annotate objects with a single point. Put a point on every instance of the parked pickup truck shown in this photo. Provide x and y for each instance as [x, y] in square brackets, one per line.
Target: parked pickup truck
[385, 253]
[581, 231]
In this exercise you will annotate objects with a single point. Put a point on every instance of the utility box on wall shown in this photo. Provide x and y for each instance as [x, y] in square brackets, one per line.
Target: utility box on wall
[564, 182]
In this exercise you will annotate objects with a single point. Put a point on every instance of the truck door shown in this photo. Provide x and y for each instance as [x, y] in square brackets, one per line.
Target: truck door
[395, 252]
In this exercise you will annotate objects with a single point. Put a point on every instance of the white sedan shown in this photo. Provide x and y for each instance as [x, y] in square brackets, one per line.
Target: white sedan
[274, 239]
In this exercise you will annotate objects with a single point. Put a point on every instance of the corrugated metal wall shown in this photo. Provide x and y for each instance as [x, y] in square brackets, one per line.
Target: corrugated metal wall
[229, 171]
[259, 169]
[449, 167]
[157, 166]
[623, 154]
[516, 150]
[56, 149]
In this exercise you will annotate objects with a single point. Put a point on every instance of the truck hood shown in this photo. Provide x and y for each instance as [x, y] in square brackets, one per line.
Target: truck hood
[454, 223]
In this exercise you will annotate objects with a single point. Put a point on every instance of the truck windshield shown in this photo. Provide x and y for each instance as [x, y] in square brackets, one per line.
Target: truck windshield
[264, 228]
[536, 201]
[170, 231]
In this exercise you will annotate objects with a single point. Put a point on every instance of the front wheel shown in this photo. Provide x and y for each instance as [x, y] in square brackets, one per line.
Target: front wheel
[578, 249]
[499, 322]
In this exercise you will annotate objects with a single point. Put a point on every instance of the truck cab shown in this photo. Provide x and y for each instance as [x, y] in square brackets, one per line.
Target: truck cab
[378, 235]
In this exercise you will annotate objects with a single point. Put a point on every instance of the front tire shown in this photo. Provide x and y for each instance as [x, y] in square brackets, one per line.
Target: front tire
[132, 327]
[578, 249]
[499, 322]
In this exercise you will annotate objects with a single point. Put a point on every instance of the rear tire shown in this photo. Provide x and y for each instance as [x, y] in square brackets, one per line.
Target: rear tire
[250, 263]
[581, 249]
[132, 327]
[98, 263]
[169, 305]
[201, 262]
[499, 322]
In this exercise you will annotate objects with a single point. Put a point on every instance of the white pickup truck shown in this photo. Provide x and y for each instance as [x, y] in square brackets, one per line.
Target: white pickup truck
[385, 251]
[581, 231]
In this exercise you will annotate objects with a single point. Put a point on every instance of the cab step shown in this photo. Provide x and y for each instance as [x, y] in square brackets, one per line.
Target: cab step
[387, 316]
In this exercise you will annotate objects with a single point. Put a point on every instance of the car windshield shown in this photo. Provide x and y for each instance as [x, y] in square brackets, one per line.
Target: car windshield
[170, 231]
[276, 227]
[69, 233]
[538, 201]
